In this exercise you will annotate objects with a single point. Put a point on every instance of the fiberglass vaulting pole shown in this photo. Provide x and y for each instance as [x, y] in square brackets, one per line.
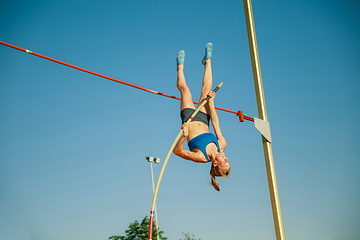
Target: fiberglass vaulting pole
[270, 168]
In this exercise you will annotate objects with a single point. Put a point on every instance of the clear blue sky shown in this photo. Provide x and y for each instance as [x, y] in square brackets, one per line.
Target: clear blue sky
[73, 145]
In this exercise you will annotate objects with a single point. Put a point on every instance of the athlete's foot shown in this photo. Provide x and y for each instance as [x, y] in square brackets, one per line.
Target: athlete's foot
[208, 52]
[180, 57]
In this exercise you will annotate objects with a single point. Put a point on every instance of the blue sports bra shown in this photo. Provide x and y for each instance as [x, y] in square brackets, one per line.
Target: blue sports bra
[200, 142]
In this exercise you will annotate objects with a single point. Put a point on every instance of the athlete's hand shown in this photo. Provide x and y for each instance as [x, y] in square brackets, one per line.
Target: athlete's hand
[211, 94]
[185, 129]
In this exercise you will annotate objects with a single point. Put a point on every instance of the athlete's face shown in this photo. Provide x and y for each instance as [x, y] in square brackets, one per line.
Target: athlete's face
[222, 162]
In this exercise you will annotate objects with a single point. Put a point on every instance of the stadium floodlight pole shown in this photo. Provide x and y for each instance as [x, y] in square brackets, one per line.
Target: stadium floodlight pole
[270, 168]
[156, 160]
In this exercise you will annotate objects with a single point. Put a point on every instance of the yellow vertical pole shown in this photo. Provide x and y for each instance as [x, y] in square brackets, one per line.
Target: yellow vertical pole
[270, 168]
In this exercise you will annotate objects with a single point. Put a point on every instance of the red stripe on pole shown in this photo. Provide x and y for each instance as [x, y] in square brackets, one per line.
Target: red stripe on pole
[151, 224]
[106, 77]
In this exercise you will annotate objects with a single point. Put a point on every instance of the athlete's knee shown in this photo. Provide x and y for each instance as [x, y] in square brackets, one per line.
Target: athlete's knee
[183, 88]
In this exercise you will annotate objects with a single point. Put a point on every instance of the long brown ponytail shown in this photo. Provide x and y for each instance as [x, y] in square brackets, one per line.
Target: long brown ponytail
[216, 172]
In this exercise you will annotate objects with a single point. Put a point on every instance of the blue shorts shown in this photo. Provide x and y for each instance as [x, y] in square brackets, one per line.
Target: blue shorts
[200, 116]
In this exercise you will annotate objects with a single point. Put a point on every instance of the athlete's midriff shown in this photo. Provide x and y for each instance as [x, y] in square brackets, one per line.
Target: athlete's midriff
[196, 128]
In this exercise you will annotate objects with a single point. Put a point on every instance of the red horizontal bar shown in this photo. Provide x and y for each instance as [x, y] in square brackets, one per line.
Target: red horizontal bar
[109, 78]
